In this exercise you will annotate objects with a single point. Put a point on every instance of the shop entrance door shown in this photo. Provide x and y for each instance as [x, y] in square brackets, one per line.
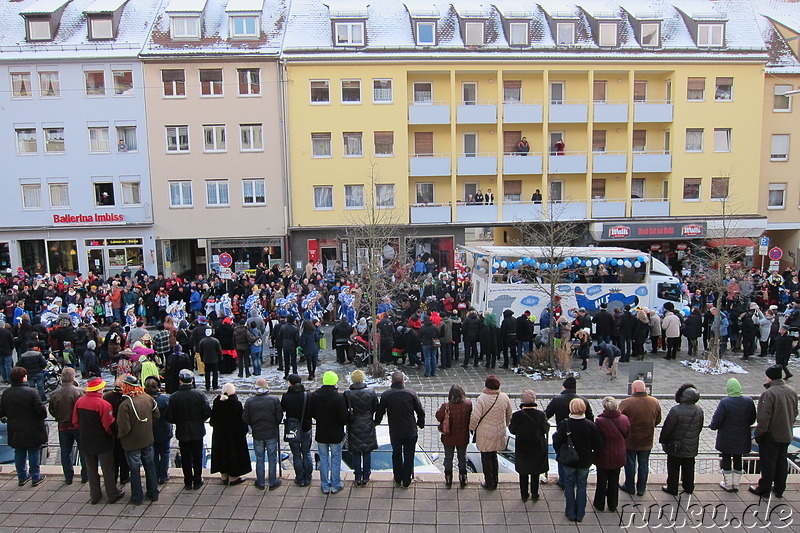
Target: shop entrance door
[97, 262]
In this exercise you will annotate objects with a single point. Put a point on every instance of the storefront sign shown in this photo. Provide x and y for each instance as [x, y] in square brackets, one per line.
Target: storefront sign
[124, 242]
[95, 242]
[682, 247]
[655, 247]
[665, 230]
[87, 219]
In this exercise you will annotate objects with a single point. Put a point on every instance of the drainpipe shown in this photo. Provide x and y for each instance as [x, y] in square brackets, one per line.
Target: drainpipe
[287, 174]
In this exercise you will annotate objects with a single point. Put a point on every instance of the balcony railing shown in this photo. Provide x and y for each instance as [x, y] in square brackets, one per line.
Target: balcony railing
[606, 162]
[477, 164]
[652, 111]
[608, 207]
[477, 113]
[429, 165]
[568, 111]
[428, 112]
[430, 213]
[515, 164]
[522, 211]
[653, 161]
[649, 207]
[569, 163]
[610, 112]
[522, 112]
[476, 213]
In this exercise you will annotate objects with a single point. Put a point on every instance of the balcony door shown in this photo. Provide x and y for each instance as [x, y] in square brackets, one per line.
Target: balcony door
[470, 144]
[423, 143]
[556, 136]
[556, 92]
[470, 92]
[556, 191]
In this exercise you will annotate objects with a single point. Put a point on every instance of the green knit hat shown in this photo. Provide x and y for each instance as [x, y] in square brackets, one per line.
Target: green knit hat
[734, 387]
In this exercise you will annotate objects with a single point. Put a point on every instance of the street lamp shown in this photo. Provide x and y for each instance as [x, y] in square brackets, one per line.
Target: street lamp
[790, 93]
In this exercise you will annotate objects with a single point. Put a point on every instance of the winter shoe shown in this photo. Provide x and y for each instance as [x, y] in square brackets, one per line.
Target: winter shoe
[727, 481]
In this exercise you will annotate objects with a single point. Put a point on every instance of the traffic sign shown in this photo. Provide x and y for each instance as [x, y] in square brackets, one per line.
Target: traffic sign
[225, 273]
[763, 241]
[775, 253]
[225, 260]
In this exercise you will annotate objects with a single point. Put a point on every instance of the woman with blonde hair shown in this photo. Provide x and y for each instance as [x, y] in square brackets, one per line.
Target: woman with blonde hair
[229, 454]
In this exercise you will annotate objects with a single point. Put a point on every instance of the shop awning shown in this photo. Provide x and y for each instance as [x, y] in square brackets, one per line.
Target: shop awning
[731, 241]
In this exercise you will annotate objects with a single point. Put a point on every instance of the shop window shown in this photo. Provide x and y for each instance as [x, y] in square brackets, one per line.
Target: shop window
[59, 195]
[123, 82]
[250, 138]
[174, 83]
[249, 81]
[126, 139]
[320, 91]
[321, 144]
[62, 256]
[354, 197]
[31, 196]
[95, 82]
[131, 193]
[211, 82]
[49, 84]
[382, 91]
[54, 140]
[384, 195]
[26, 140]
[696, 89]
[724, 90]
[424, 193]
[782, 103]
[217, 193]
[777, 196]
[323, 197]
[691, 189]
[351, 91]
[384, 143]
[104, 194]
[353, 146]
[254, 191]
[694, 140]
[98, 140]
[719, 188]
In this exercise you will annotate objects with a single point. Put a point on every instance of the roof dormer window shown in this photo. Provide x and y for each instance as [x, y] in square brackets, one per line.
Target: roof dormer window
[426, 33]
[474, 35]
[184, 27]
[607, 34]
[349, 33]
[650, 34]
[101, 28]
[565, 33]
[244, 27]
[39, 29]
[710, 35]
[42, 19]
[518, 33]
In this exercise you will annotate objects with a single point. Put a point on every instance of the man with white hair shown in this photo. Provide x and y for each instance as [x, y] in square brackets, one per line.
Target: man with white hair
[644, 413]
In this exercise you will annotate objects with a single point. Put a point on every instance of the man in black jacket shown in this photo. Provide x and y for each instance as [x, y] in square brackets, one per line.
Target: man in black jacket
[341, 336]
[604, 325]
[295, 405]
[559, 406]
[471, 331]
[188, 409]
[783, 350]
[328, 408]
[6, 351]
[524, 334]
[289, 339]
[34, 363]
[210, 351]
[508, 336]
[263, 413]
[401, 405]
[25, 414]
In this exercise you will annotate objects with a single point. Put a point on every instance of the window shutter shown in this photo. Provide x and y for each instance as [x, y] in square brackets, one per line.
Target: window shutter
[598, 188]
[423, 143]
[510, 140]
[724, 81]
[384, 137]
[512, 84]
[639, 140]
[639, 91]
[599, 91]
[599, 140]
[697, 84]
[512, 187]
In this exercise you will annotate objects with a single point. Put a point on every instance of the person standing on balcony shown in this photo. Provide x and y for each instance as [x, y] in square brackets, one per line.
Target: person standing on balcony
[479, 197]
[488, 198]
[559, 147]
[523, 147]
[536, 197]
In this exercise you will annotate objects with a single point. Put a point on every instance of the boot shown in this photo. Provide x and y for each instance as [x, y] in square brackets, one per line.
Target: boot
[463, 480]
[727, 481]
[448, 480]
[736, 477]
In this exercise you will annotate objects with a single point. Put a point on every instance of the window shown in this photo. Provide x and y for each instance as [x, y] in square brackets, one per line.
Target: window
[599, 141]
[101, 28]
[691, 188]
[382, 91]
[54, 140]
[384, 143]
[565, 33]
[384, 195]
[639, 140]
[320, 92]
[423, 143]
[254, 191]
[474, 34]
[214, 138]
[131, 193]
[512, 91]
[349, 33]
[650, 34]
[600, 91]
[782, 103]
[123, 82]
[352, 144]
[95, 82]
[185, 27]
[512, 191]
[556, 191]
[104, 193]
[518, 33]
[694, 139]
[354, 197]
[351, 91]
[244, 27]
[59, 194]
[469, 93]
[724, 90]
[211, 82]
[423, 92]
[26, 141]
[174, 82]
[556, 92]
[599, 189]
[249, 81]
[470, 145]
[323, 197]
[251, 138]
[98, 140]
[709, 34]
[637, 188]
[21, 85]
[39, 30]
[696, 90]
[321, 144]
[126, 139]
[177, 139]
[424, 193]
[719, 188]
[777, 196]
[180, 194]
[31, 196]
[426, 33]
[779, 147]
[640, 91]
[49, 85]
[608, 34]
[722, 139]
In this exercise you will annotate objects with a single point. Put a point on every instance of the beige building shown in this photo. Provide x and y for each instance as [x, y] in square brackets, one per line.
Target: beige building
[213, 116]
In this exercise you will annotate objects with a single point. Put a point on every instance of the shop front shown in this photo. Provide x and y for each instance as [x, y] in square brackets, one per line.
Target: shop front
[247, 253]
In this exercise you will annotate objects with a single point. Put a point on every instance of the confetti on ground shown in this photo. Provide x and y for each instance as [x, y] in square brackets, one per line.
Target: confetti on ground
[546, 374]
[725, 367]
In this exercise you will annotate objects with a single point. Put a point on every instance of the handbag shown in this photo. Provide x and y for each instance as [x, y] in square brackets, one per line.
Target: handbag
[444, 425]
[437, 343]
[674, 446]
[567, 455]
[475, 433]
[293, 428]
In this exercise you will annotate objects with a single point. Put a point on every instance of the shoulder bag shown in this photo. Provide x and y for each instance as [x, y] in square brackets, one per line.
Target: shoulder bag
[674, 446]
[293, 428]
[475, 433]
[444, 425]
[567, 455]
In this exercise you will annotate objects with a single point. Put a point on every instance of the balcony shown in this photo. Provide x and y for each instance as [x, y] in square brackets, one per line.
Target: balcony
[433, 165]
[652, 162]
[608, 208]
[429, 113]
[514, 113]
[477, 114]
[476, 213]
[605, 112]
[567, 113]
[477, 165]
[568, 211]
[607, 162]
[652, 112]
[430, 213]
[649, 207]
[569, 163]
[522, 211]
[514, 165]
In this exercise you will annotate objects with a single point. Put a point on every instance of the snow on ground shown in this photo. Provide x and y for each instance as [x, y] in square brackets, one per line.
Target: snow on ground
[535, 374]
[725, 367]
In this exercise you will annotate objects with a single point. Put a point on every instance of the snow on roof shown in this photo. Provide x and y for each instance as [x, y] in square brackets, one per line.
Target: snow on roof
[421, 9]
[44, 7]
[782, 58]
[186, 6]
[105, 6]
[244, 5]
[347, 8]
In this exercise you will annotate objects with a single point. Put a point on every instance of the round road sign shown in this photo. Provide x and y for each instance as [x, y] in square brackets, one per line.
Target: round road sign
[775, 253]
[225, 260]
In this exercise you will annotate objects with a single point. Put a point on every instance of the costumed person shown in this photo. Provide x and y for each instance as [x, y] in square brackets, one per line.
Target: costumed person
[130, 317]
[346, 310]
[291, 305]
[224, 307]
[74, 313]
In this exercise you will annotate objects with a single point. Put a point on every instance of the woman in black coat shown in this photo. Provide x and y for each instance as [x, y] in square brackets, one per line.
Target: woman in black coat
[680, 438]
[641, 332]
[530, 426]
[224, 334]
[25, 412]
[362, 402]
[732, 420]
[229, 454]
[692, 329]
[489, 336]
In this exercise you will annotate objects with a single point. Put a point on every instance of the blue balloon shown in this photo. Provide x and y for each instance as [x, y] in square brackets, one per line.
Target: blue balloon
[562, 265]
[640, 259]
[613, 262]
[494, 270]
[568, 261]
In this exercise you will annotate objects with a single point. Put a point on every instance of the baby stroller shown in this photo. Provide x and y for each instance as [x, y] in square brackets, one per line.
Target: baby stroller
[52, 374]
[359, 351]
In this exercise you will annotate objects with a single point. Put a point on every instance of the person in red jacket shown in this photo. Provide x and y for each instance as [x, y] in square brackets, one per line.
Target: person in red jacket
[614, 427]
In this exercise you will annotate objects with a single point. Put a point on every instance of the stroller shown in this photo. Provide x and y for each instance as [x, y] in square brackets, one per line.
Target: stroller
[359, 351]
[52, 373]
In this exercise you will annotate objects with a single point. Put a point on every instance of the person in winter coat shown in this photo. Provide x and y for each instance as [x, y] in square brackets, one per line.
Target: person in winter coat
[242, 338]
[34, 364]
[587, 441]
[288, 340]
[641, 331]
[614, 427]
[530, 427]
[524, 334]
[732, 420]
[692, 330]
[135, 417]
[229, 454]
[256, 348]
[490, 340]
[489, 419]
[446, 339]
[604, 324]
[177, 361]
[624, 322]
[23, 410]
[764, 322]
[327, 407]
[747, 331]
[362, 403]
[295, 405]
[162, 430]
[470, 329]
[508, 338]
[671, 328]
[309, 342]
[405, 415]
[644, 413]
[341, 334]
[457, 410]
[680, 438]
[188, 410]
[114, 397]
[655, 331]
[224, 335]
[61, 406]
[559, 407]
[263, 413]
[783, 350]
[429, 337]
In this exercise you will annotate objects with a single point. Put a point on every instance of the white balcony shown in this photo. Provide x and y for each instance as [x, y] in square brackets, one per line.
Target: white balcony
[567, 113]
[649, 207]
[476, 213]
[477, 114]
[430, 213]
[567, 164]
[514, 165]
[604, 112]
[522, 113]
[429, 166]
[652, 112]
[428, 114]
[477, 165]
[522, 211]
[609, 162]
[606, 208]
[652, 162]
[568, 211]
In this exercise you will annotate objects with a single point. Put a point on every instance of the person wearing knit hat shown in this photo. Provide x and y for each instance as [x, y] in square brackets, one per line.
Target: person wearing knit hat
[559, 407]
[330, 378]
[229, 452]
[357, 376]
[329, 410]
[530, 427]
[135, 432]
[732, 420]
[61, 406]
[362, 402]
[783, 345]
